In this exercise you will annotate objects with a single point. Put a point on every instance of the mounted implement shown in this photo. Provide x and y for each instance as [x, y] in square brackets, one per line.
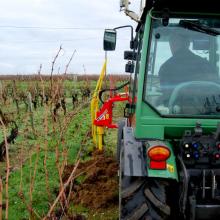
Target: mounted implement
[102, 118]
[169, 143]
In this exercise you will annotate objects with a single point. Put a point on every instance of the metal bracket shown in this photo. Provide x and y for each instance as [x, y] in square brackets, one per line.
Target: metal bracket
[198, 129]
[124, 6]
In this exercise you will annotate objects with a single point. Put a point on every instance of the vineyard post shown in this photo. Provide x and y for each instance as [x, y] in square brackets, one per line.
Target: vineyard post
[15, 97]
[75, 81]
[7, 170]
[1, 191]
[32, 180]
[31, 111]
[1, 91]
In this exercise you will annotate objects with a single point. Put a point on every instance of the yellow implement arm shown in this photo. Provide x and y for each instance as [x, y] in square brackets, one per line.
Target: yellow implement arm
[97, 131]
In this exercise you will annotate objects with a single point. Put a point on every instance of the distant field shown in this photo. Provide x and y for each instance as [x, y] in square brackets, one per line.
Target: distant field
[46, 77]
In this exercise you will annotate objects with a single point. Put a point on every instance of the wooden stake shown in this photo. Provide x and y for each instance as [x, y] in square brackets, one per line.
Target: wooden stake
[7, 170]
[1, 191]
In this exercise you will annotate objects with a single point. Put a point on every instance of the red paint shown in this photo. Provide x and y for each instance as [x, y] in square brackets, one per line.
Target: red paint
[158, 165]
[104, 115]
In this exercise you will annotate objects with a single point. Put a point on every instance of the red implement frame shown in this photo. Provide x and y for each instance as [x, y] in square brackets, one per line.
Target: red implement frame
[104, 115]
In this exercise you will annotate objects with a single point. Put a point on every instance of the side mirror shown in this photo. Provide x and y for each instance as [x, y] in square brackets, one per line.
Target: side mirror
[109, 40]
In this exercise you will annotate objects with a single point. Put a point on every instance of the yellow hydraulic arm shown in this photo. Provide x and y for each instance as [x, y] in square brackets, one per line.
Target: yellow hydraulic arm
[97, 131]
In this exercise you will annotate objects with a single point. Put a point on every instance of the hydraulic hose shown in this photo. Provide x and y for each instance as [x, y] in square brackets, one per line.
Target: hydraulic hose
[115, 89]
[183, 196]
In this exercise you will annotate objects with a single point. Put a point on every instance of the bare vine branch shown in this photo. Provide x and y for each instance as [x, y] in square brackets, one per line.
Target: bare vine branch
[67, 66]
[52, 67]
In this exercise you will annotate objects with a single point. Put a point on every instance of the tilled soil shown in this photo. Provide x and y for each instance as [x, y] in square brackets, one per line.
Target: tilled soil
[96, 186]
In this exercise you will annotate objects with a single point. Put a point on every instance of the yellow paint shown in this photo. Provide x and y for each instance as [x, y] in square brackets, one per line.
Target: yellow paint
[170, 168]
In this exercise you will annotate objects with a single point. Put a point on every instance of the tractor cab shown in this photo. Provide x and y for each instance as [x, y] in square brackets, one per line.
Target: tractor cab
[176, 54]
[178, 82]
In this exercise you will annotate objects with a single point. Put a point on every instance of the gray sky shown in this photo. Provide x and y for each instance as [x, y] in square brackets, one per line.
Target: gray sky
[23, 49]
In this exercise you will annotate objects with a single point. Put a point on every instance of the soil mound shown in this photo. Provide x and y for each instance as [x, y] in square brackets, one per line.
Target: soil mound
[96, 185]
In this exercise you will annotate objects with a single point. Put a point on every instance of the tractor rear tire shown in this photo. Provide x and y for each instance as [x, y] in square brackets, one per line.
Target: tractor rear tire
[142, 198]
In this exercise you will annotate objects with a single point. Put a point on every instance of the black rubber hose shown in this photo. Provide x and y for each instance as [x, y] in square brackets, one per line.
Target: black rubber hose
[183, 197]
[115, 89]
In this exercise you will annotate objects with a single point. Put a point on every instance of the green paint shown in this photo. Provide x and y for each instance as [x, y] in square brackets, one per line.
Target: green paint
[141, 73]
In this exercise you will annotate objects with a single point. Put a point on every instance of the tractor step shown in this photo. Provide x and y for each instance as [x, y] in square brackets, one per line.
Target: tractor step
[205, 201]
[207, 212]
[203, 211]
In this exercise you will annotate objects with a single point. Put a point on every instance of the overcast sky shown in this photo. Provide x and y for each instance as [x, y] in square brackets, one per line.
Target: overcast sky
[33, 30]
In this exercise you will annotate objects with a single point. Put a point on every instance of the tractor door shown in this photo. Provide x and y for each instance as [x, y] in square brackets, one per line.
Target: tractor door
[135, 76]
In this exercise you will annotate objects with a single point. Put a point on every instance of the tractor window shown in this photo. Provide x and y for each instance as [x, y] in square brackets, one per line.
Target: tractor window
[182, 75]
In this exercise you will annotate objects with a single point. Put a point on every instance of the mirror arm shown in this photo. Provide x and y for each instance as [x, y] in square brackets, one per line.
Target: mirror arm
[132, 30]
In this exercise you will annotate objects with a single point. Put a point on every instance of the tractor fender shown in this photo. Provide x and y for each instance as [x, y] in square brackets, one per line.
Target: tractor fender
[121, 125]
[133, 163]
[136, 163]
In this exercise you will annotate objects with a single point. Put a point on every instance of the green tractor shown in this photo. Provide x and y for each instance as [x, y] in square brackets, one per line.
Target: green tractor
[169, 142]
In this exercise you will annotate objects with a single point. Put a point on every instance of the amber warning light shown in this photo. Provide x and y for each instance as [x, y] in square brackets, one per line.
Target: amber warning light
[158, 156]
